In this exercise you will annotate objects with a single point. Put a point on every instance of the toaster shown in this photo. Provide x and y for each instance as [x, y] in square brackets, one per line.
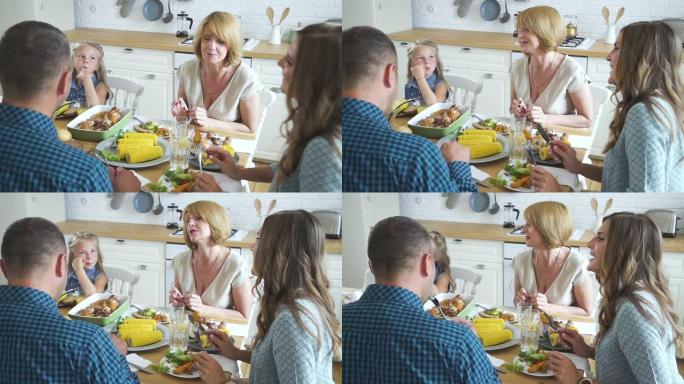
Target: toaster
[331, 222]
[665, 220]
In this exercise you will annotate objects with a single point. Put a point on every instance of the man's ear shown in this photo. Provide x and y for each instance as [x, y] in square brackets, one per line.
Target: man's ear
[426, 262]
[389, 75]
[61, 265]
[64, 84]
[3, 268]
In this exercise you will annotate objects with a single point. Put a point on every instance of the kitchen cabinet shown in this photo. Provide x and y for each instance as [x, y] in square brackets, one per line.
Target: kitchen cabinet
[271, 143]
[598, 71]
[484, 257]
[673, 268]
[386, 15]
[676, 287]
[59, 13]
[333, 268]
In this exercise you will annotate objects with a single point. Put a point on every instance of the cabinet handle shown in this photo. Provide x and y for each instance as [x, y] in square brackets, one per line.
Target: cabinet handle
[458, 241]
[447, 70]
[276, 90]
[404, 44]
[128, 50]
[109, 71]
[121, 242]
[488, 76]
[465, 50]
[150, 76]
[480, 266]
[142, 267]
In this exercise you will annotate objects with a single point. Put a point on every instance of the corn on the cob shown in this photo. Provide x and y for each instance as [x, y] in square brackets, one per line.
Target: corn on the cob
[486, 320]
[139, 140]
[488, 326]
[140, 135]
[134, 321]
[147, 338]
[498, 337]
[484, 149]
[480, 132]
[141, 154]
[473, 139]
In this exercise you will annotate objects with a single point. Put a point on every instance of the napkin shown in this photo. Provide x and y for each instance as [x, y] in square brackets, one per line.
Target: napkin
[227, 184]
[143, 180]
[136, 359]
[580, 362]
[228, 365]
[564, 177]
[478, 174]
[495, 362]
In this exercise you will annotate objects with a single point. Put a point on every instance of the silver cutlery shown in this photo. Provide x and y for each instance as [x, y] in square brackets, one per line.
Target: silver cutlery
[436, 303]
[140, 367]
[501, 369]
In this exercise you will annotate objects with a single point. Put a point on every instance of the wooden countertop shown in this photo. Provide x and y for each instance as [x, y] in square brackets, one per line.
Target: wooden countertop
[161, 41]
[150, 232]
[498, 233]
[490, 40]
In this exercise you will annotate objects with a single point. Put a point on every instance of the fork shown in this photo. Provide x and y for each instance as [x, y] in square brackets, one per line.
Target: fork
[436, 303]
[100, 156]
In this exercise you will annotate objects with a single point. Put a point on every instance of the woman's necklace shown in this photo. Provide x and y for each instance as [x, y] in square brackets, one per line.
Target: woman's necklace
[546, 279]
[536, 87]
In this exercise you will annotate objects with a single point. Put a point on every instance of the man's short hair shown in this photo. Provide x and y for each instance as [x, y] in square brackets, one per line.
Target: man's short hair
[29, 244]
[33, 54]
[364, 51]
[395, 243]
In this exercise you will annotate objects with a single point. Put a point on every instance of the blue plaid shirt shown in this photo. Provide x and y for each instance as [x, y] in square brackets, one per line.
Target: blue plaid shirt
[37, 345]
[32, 159]
[378, 159]
[388, 338]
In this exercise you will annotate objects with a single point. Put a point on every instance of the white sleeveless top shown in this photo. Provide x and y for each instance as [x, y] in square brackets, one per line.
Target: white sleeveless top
[232, 274]
[243, 85]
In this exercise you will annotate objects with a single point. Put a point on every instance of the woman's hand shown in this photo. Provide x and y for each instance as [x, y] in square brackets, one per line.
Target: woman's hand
[192, 301]
[536, 115]
[205, 182]
[175, 297]
[563, 368]
[210, 370]
[539, 301]
[77, 264]
[576, 341]
[223, 159]
[518, 107]
[544, 181]
[418, 71]
[179, 108]
[521, 296]
[224, 343]
[198, 116]
[563, 152]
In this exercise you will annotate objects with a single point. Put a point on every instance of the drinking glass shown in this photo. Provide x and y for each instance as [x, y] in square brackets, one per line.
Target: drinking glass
[529, 328]
[180, 145]
[518, 141]
[179, 330]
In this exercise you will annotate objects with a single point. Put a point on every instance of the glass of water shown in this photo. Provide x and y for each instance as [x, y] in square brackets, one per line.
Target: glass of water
[179, 330]
[180, 145]
[529, 328]
[518, 141]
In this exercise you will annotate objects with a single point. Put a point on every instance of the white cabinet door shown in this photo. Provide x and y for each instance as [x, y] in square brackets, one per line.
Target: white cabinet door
[334, 271]
[150, 290]
[155, 102]
[676, 287]
[490, 289]
[495, 97]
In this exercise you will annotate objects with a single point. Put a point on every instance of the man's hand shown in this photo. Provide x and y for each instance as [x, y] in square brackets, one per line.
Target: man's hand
[453, 151]
[119, 344]
[123, 180]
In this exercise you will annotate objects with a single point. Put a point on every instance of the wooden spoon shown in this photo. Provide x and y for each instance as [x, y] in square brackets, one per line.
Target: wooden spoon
[608, 205]
[271, 206]
[594, 206]
[257, 205]
[605, 12]
[270, 13]
[284, 15]
[621, 12]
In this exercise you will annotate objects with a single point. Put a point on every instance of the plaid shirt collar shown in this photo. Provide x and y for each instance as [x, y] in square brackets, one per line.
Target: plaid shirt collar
[370, 111]
[391, 293]
[12, 294]
[23, 117]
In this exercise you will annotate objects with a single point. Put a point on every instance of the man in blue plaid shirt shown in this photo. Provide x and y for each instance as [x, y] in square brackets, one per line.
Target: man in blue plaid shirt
[35, 72]
[375, 157]
[388, 337]
[38, 345]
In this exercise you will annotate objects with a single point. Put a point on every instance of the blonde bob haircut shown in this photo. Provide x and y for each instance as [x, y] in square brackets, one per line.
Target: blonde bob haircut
[225, 27]
[552, 220]
[214, 214]
[545, 23]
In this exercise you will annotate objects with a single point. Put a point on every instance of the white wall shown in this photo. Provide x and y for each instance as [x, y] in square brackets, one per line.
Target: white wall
[590, 21]
[96, 206]
[255, 24]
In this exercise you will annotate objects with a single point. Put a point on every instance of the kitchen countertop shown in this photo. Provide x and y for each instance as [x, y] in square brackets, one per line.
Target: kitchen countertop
[150, 232]
[490, 40]
[161, 41]
[499, 233]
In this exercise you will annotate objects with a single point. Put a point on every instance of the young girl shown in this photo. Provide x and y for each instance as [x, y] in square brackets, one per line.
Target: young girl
[85, 264]
[426, 81]
[89, 78]
[443, 280]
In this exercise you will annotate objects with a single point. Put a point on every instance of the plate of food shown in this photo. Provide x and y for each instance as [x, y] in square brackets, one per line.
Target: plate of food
[179, 364]
[550, 337]
[452, 304]
[100, 308]
[493, 125]
[533, 363]
[150, 313]
[439, 120]
[498, 313]
[143, 334]
[495, 334]
[208, 164]
[99, 122]
[485, 146]
[151, 126]
[202, 328]
[135, 150]
[516, 177]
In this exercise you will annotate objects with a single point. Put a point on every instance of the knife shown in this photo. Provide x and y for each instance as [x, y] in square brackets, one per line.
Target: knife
[543, 133]
[140, 367]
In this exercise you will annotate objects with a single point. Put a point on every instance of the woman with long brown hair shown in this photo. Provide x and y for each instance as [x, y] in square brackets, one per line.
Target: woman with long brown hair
[638, 328]
[297, 328]
[312, 161]
[645, 151]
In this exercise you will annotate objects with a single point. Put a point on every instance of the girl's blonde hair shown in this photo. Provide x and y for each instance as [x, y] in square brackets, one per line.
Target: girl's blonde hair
[313, 95]
[101, 72]
[288, 260]
[632, 262]
[552, 220]
[224, 27]
[84, 236]
[439, 251]
[214, 214]
[546, 23]
[647, 67]
[439, 71]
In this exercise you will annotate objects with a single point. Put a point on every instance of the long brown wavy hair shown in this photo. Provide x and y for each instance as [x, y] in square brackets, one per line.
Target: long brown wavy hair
[647, 67]
[439, 252]
[631, 264]
[288, 260]
[313, 95]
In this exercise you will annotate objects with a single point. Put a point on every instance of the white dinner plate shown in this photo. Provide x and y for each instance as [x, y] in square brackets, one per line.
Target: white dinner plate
[171, 366]
[514, 341]
[508, 179]
[526, 365]
[166, 147]
[499, 137]
[164, 341]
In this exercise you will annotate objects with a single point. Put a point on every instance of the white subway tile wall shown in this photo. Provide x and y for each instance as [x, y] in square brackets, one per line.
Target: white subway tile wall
[96, 206]
[431, 206]
[105, 14]
[442, 14]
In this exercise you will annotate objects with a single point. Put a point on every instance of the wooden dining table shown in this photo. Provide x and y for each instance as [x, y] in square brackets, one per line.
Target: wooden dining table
[491, 167]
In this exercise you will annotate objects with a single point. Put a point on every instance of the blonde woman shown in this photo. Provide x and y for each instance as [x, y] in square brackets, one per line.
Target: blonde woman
[89, 78]
[312, 161]
[209, 278]
[549, 275]
[216, 90]
[297, 328]
[638, 328]
[426, 82]
[444, 282]
[548, 87]
[86, 271]
[645, 151]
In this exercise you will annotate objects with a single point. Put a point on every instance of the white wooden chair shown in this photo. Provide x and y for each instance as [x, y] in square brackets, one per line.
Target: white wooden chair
[600, 95]
[266, 99]
[124, 92]
[465, 90]
[466, 280]
[121, 280]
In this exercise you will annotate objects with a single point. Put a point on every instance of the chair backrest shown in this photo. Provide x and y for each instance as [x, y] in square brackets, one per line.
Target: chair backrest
[266, 99]
[125, 92]
[121, 280]
[600, 96]
[466, 280]
[464, 90]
